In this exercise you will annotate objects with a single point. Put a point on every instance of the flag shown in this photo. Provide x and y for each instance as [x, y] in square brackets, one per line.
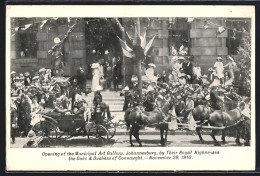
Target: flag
[148, 46]
[26, 27]
[129, 40]
[135, 36]
[143, 40]
[221, 29]
[190, 20]
[124, 45]
[127, 53]
[43, 23]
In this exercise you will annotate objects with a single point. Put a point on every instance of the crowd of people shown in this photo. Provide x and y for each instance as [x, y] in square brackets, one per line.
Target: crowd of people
[41, 92]
[184, 83]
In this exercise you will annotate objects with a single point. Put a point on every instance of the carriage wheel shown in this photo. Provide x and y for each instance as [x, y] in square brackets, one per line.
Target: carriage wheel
[46, 129]
[98, 131]
[111, 129]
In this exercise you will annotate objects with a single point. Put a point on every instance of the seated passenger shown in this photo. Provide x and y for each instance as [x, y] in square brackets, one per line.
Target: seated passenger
[99, 110]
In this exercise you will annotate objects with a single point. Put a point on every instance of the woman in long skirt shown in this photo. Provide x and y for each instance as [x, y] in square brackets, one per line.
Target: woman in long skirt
[231, 64]
[96, 76]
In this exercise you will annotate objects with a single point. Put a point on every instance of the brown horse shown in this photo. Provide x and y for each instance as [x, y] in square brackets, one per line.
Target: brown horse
[136, 117]
[227, 119]
[201, 115]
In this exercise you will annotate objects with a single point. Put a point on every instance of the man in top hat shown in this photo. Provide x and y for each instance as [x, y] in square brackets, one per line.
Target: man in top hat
[187, 68]
[149, 99]
[27, 80]
[128, 98]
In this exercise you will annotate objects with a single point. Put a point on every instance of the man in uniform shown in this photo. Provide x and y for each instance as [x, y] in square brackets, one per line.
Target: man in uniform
[150, 99]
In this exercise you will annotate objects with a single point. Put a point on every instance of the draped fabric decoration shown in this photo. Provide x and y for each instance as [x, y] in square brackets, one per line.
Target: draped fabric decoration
[138, 40]
[221, 29]
[58, 45]
[190, 20]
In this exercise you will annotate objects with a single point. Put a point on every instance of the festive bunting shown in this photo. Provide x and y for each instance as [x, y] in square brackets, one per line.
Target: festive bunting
[143, 40]
[26, 27]
[148, 46]
[206, 25]
[221, 29]
[190, 20]
[43, 23]
[124, 45]
[127, 53]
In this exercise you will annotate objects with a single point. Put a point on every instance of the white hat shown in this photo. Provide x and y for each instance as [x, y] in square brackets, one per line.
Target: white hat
[36, 77]
[95, 65]
[181, 75]
[98, 88]
[207, 97]
[48, 71]
[106, 52]
[199, 96]
[181, 58]
[152, 65]
[26, 74]
[13, 72]
[150, 88]
[160, 97]
[230, 58]
[31, 135]
[219, 58]
[42, 70]
[78, 97]
[126, 88]
[204, 76]
[94, 51]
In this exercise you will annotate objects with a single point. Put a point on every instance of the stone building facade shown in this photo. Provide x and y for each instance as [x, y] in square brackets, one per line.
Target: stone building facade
[205, 44]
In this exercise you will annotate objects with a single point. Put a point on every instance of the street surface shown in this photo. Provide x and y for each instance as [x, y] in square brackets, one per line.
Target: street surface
[149, 138]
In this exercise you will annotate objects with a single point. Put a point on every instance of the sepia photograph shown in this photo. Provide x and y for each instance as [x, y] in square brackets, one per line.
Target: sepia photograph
[130, 82]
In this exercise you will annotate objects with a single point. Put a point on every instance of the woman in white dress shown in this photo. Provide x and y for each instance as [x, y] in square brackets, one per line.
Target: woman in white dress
[231, 65]
[35, 108]
[150, 73]
[219, 68]
[96, 76]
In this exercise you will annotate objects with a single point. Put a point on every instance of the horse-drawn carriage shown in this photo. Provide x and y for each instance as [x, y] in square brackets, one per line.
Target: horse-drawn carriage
[202, 118]
[55, 125]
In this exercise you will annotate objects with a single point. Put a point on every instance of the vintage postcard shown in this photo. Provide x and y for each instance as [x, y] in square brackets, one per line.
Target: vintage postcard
[130, 88]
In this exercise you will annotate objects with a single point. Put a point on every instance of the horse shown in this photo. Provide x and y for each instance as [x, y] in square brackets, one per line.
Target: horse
[201, 115]
[135, 117]
[227, 119]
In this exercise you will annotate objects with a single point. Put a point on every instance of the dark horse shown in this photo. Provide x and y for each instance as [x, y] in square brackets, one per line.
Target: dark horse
[136, 117]
[227, 120]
